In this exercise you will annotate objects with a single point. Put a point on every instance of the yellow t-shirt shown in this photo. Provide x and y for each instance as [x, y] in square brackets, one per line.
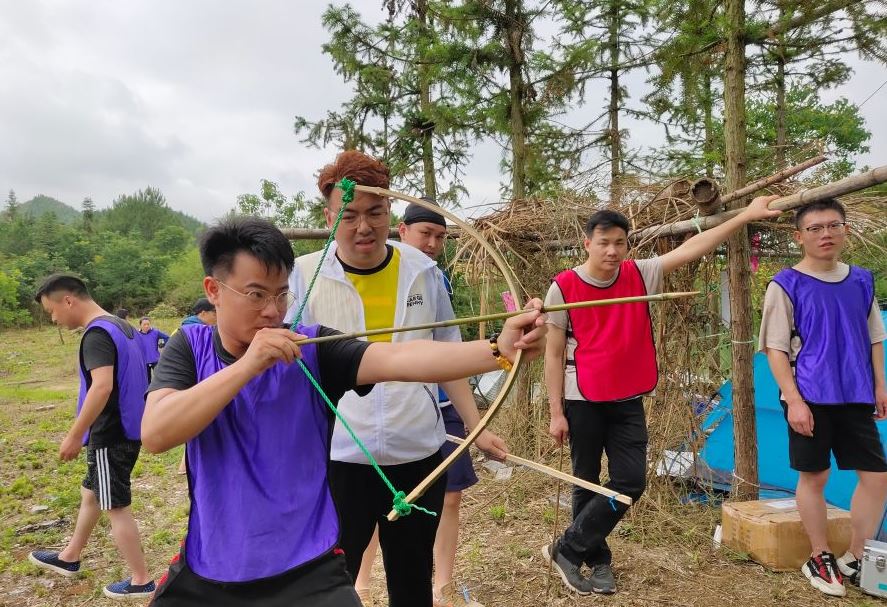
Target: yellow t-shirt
[378, 292]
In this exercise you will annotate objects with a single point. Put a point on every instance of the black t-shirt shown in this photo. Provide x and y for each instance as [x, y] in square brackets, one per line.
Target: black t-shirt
[97, 349]
[338, 361]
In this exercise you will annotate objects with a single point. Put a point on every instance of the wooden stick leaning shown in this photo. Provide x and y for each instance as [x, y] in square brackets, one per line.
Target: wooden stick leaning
[782, 175]
[549, 471]
[468, 320]
[830, 190]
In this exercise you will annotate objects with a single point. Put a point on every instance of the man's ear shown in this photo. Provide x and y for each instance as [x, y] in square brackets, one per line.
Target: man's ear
[329, 216]
[211, 288]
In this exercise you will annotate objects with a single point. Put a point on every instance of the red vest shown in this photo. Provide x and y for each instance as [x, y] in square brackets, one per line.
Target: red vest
[615, 357]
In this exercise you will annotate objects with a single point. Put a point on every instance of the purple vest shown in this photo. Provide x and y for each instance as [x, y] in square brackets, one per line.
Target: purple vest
[148, 342]
[130, 378]
[260, 501]
[834, 364]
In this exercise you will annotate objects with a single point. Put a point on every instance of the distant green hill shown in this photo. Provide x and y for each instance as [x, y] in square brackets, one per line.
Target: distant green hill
[192, 224]
[40, 205]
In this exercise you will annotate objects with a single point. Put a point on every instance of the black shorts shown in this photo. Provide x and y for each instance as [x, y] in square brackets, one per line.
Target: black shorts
[848, 431]
[461, 474]
[321, 583]
[107, 473]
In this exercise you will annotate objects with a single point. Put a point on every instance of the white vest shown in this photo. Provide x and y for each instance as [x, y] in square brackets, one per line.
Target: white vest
[397, 422]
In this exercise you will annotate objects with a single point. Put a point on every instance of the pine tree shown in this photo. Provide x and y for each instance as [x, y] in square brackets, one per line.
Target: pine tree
[87, 209]
[12, 206]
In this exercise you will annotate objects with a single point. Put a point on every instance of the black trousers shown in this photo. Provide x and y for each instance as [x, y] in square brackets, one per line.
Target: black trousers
[620, 430]
[363, 500]
[322, 582]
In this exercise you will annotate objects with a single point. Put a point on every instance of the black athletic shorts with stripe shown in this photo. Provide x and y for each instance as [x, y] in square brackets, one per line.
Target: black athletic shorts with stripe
[108, 470]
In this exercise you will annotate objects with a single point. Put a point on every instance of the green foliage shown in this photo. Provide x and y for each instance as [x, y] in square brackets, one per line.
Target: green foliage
[11, 312]
[123, 253]
[284, 212]
[41, 205]
[127, 274]
[872, 254]
[837, 126]
[182, 283]
[143, 213]
[165, 310]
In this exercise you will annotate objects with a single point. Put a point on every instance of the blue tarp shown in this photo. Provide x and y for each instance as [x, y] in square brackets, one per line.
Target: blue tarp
[773, 467]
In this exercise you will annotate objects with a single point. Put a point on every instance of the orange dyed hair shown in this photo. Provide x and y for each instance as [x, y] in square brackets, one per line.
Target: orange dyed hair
[357, 166]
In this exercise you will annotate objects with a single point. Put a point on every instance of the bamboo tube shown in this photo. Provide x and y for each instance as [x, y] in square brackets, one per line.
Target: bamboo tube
[549, 471]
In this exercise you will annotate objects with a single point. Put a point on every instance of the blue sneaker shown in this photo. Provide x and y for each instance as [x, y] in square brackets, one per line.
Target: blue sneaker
[126, 590]
[51, 562]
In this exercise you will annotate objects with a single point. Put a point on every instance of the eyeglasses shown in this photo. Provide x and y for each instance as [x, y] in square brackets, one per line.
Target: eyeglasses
[833, 228]
[376, 218]
[258, 300]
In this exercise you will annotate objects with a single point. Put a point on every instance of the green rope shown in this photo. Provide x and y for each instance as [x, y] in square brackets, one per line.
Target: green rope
[400, 504]
[347, 187]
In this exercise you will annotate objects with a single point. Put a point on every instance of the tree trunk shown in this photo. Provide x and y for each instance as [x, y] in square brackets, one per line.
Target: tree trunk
[780, 96]
[744, 433]
[708, 145]
[615, 143]
[427, 125]
[514, 41]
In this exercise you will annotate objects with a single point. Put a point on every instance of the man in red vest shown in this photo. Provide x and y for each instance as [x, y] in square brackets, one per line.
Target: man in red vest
[599, 363]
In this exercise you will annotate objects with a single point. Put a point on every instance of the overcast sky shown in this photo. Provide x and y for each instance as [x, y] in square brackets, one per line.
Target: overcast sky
[198, 97]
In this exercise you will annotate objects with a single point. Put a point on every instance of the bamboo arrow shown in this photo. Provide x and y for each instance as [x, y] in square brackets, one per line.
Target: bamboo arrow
[468, 320]
[549, 471]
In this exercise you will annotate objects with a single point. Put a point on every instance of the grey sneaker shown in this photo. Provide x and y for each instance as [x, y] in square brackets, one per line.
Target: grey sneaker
[602, 580]
[569, 572]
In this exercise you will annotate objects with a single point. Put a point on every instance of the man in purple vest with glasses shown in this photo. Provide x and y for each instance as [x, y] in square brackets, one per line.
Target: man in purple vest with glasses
[263, 529]
[113, 381]
[824, 338]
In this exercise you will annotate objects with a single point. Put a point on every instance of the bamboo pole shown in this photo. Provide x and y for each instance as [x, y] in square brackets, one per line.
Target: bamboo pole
[549, 471]
[782, 175]
[469, 320]
[845, 186]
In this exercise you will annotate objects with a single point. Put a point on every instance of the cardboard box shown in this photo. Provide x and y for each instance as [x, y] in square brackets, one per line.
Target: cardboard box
[770, 532]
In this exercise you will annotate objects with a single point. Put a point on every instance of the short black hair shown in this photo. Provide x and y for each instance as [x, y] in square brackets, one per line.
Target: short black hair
[122, 313]
[258, 237]
[826, 204]
[202, 305]
[54, 283]
[605, 220]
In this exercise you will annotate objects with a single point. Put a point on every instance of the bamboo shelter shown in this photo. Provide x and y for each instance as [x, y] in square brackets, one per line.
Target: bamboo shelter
[542, 237]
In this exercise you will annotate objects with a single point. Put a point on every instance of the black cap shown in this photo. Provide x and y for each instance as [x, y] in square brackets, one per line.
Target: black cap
[418, 214]
[202, 305]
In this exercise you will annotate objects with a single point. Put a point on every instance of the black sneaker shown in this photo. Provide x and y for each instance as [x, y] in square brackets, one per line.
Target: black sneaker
[126, 590]
[849, 566]
[824, 575]
[569, 572]
[51, 562]
[602, 580]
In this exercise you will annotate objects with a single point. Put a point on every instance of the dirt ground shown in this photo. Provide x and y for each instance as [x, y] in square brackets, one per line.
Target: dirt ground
[662, 551]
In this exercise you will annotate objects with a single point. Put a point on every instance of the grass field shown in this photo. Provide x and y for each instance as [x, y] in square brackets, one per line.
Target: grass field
[662, 553]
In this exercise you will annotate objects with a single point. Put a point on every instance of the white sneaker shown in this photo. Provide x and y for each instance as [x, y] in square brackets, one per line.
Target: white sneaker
[824, 575]
[849, 566]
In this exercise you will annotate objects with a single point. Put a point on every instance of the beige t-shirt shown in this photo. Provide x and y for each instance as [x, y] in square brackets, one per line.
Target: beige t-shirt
[651, 273]
[778, 319]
